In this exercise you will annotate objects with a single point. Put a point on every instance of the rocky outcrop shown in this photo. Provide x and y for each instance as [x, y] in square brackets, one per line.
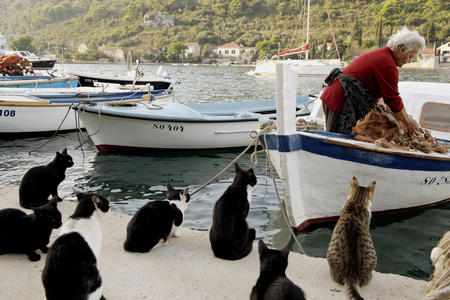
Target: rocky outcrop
[158, 19]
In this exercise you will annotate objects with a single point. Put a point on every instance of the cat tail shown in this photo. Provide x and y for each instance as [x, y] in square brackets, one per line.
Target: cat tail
[351, 291]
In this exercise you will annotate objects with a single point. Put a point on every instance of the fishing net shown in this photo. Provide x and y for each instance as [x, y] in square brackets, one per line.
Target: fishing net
[382, 128]
[15, 65]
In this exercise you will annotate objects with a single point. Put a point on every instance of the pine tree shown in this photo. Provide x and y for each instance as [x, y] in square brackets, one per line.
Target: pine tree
[379, 34]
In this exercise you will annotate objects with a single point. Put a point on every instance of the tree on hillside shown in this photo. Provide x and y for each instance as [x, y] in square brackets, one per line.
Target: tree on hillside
[176, 50]
[356, 33]
[24, 43]
[379, 34]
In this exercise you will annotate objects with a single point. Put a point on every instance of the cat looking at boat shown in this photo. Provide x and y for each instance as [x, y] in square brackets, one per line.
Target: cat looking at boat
[351, 254]
[70, 270]
[229, 235]
[40, 182]
[155, 222]
[272, 283]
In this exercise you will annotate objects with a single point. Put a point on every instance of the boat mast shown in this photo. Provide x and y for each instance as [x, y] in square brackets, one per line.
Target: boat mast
[307, 32]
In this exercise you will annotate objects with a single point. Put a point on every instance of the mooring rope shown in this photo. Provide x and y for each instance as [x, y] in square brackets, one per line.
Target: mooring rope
[56, 132]
[265, 126]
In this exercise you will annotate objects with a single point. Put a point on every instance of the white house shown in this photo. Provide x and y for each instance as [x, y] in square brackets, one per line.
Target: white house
[193, 48]
[443, 52]
[229, 50]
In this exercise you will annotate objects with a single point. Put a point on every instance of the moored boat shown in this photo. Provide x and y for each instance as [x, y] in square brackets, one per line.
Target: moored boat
[172, 125]
[316, 166]
[43, 113]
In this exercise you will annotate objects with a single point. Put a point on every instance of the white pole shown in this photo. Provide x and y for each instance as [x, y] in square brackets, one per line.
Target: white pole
[307, 31]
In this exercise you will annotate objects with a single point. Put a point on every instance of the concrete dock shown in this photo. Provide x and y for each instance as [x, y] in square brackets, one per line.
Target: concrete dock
[185, 268]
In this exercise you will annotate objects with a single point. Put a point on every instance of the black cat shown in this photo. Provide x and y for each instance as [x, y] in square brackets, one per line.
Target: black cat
[156, 221]
[230, 236]
[70, 270]
[272, 283]
[40, 182]
[22, 233]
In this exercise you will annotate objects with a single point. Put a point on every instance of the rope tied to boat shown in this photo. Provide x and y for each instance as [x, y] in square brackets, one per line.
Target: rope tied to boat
[265, 126]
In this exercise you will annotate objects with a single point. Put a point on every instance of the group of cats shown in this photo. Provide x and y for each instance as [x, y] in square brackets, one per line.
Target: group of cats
[71, 271]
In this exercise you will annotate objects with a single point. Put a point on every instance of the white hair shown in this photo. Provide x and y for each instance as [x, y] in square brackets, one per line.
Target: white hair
[411, 40]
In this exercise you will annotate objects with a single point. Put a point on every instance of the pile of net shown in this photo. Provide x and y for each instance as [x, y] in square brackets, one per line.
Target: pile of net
[383, 129]
[15, 65]
[305, 125]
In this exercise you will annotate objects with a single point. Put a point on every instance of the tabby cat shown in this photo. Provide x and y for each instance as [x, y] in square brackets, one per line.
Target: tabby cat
[351, 254]
[230, 236]
[70, 270]
[272, 283]
[156, 221]
[22, 233]
[40, 182]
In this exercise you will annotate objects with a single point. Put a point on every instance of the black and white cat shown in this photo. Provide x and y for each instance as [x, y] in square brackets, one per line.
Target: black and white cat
[230, 236]
[70, 270]
[40, 182]
[272, 283]
[156, 221]
[22, 233]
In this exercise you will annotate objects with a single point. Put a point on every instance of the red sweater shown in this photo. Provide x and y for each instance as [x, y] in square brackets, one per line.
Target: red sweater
[378, 71]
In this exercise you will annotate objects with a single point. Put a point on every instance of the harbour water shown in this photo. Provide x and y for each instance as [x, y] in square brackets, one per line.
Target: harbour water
[403, 241]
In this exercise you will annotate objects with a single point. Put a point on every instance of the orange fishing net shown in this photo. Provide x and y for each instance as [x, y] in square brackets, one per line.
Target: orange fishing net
[14, 65]
[383, 129]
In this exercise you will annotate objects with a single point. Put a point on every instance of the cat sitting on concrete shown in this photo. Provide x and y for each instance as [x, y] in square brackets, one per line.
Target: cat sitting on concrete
[272, 283]
[70, 270]
[351, 254]
[156, 221]
[40, 182]
[22, 233]
[230, 236]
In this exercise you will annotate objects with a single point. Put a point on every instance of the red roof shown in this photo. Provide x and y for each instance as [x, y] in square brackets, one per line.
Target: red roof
[230, 45]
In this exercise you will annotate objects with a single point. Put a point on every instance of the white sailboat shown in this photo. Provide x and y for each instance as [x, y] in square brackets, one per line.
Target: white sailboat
[303, 67]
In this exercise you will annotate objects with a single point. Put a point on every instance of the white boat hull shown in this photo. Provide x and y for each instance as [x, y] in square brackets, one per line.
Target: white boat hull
[17, 119]
[320, 173]
[301, 67]
[111, 133]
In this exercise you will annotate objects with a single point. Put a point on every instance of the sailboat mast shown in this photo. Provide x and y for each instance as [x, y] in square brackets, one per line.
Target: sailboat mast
[307, 32]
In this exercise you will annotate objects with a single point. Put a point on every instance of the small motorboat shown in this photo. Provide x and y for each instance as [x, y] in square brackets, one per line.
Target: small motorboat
[172, 125]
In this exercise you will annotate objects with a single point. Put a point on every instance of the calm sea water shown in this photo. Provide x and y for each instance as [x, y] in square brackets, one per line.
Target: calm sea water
[403, 241]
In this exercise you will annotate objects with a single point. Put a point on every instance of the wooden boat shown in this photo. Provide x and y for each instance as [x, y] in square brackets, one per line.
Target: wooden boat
[40, 113]
[172, 125]
[316, 167]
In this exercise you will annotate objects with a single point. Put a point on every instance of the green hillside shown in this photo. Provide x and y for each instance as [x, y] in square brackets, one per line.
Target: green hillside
[143, 25]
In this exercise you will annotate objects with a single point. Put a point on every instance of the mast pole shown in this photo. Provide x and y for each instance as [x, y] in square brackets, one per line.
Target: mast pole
[307, 32]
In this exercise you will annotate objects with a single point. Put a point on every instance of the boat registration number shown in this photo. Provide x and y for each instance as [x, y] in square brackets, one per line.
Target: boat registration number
[168, 127]
[436, 180]
[7, 113]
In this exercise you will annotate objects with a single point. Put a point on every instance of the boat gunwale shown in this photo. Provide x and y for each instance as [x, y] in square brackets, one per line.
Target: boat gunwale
[343, 140]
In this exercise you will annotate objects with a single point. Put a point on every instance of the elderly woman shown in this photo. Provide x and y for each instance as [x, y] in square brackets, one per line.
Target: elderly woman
[352, 93]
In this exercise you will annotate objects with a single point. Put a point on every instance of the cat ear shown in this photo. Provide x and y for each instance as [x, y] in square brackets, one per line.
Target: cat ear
[261, 247]
[54, 201]
[355, 181]
[101, 203]
[169, 187]
[236, 167]
[251, 172]
[64, 151]
[285, 251]
[372, 186]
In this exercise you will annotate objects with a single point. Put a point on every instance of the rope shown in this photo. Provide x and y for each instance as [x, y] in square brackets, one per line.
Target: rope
[56, 132]
[262, 128]
[265, 126]
[332, 30]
